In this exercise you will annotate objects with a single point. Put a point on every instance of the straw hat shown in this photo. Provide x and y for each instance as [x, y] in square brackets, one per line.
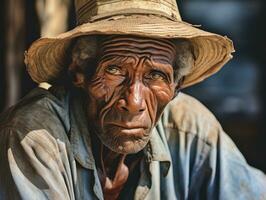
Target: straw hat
[47, 58]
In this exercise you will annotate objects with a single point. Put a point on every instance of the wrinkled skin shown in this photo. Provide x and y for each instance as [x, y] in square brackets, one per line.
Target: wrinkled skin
[129, 90]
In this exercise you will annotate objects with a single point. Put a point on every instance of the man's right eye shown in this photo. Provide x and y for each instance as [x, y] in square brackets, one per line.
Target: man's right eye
[114, 70]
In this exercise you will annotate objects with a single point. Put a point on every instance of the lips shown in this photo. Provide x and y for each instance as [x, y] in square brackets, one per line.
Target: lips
[128, 125]
[136, 130]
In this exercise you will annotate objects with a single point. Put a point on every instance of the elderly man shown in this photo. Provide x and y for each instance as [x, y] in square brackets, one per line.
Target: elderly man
[107, 120]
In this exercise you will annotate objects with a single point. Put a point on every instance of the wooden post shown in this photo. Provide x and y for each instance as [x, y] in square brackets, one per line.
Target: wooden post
[53, 15]
[15, 46]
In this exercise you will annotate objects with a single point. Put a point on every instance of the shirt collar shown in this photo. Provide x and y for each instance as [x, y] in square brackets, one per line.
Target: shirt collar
[79, 133]
[156, 149]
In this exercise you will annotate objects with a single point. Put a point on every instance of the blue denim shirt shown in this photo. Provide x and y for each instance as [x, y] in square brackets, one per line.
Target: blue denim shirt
[45, 153]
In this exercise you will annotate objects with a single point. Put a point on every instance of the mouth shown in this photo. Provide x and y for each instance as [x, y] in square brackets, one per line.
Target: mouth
[128, 125]
[130, 128]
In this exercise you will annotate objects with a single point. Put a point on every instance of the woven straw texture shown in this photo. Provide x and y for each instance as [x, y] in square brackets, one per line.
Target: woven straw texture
[47, 58]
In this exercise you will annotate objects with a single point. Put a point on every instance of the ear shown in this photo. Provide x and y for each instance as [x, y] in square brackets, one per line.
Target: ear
[79, 80]
[179, 86]
[77, 76]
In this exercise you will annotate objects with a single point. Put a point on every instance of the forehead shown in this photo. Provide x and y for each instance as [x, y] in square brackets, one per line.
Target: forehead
[130, 46]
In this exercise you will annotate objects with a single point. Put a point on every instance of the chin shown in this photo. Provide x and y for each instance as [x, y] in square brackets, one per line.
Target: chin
[130, 147]
[123, 143]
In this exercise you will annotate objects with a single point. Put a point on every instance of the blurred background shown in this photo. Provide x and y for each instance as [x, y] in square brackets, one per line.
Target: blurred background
[236, 94]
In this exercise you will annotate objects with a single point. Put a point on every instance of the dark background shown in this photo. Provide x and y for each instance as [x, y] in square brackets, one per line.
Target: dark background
[236, 94]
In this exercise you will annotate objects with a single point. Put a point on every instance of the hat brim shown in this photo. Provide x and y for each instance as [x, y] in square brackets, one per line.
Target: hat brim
[46, 58]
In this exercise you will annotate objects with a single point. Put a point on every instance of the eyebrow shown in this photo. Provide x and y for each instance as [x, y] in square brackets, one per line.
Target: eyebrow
[161, 65]
[162, 60]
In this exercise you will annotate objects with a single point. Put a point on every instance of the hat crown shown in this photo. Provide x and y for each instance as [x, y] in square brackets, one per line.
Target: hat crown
[90, 10]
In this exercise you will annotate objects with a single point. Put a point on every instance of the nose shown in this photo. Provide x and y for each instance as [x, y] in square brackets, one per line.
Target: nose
[133, 101]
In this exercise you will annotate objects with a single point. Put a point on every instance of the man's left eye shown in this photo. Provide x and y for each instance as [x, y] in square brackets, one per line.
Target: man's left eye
[114, 70]
[157, 75]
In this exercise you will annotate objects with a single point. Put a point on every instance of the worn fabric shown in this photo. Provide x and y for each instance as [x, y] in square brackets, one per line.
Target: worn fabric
[45, 153]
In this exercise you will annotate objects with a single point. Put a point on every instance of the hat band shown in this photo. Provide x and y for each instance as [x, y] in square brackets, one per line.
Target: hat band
[92, 11]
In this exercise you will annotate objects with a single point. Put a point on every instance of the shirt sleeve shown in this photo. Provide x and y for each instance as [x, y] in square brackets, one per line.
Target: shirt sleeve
[232, 177]
[217, 170]
[33, 166]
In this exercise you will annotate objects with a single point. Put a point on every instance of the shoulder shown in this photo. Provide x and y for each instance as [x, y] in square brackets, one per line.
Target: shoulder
[198, 143]
[39, 110]
[188, 115]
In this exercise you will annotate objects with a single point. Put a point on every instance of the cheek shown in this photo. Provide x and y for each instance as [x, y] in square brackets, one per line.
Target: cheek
[102, 87]
[101, 92]
[163, 94]
[96, 89]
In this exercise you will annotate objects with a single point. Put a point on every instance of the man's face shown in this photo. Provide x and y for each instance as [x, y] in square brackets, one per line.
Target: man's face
[128, 92]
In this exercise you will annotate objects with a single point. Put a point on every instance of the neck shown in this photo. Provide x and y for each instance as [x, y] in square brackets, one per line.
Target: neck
[110, 161]
[112, 170]
[107, 160]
